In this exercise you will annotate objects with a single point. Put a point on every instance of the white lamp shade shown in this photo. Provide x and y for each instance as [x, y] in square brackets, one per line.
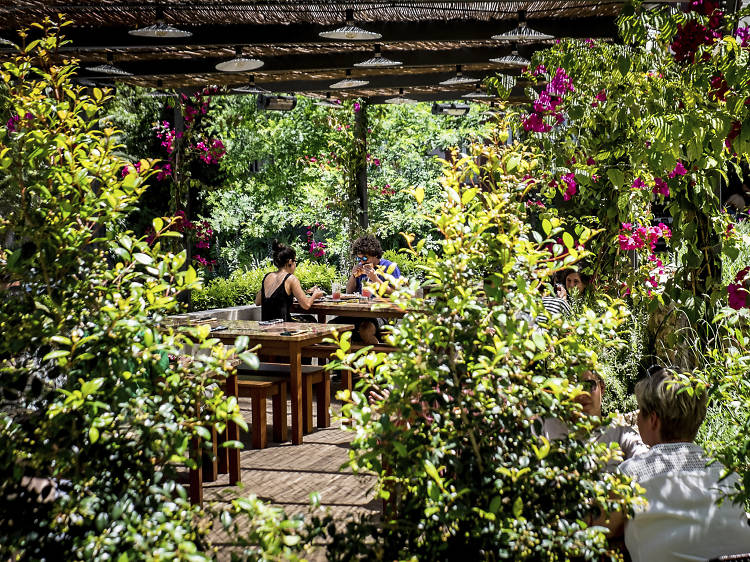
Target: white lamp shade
[161, 30]
[239, 64]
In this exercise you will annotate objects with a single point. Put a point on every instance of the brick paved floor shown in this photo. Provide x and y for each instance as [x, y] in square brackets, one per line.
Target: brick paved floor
[285, 475]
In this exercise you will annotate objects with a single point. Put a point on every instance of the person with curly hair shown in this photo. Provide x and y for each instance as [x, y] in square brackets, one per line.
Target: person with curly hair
[370, 268]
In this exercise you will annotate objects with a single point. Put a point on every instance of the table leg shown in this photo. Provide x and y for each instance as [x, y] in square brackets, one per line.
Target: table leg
[233, 434]
[295, 368]
[322, 317]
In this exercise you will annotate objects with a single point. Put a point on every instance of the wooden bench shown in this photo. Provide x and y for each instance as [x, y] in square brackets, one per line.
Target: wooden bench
[326, 351]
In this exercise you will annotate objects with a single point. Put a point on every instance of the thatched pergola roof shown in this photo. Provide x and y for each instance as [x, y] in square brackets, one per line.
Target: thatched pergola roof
[430, 37]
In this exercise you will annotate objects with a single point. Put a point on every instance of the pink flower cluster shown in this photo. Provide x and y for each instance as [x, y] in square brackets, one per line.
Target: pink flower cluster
[692, 35]
[743, 35]
[660, 187]
[738, 291]
[167, 135]
[600, 97]
[385, 191]
[210, 152]
[636, 237]
[372, 160]
[548, 102]
[571, 187]
[539, 70]
[12, 123]
[165, 171]
[126, 169]
[535, 204]
[679, 170]
[316, 249]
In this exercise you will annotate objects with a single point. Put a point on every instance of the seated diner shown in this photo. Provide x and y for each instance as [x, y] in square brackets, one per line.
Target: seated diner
[370, 268]
[279, 288]
[685, 517]
[591, 403]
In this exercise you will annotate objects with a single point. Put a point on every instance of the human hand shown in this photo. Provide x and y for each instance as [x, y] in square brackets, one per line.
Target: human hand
[317, 294]
[311, 290]
[370, 272]
[357, 270]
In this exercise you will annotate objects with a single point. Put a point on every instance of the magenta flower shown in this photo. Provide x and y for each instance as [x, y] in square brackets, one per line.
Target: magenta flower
[660, 187]
[534, 122]
[357, 107]
[12, 122]
[539, 70]
[638, 184]
[561, 83]
[679, 170]
[743, 35]
[737, 292]
[570, 182]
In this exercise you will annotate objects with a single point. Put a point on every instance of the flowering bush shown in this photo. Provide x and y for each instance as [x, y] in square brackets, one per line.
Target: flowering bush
[452, 425]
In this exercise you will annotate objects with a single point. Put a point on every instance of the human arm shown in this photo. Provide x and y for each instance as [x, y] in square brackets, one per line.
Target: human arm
[258, 298]
[304, 301]
[375, 278]
[351, 283]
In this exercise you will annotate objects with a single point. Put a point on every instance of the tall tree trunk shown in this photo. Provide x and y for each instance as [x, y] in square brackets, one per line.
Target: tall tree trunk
[360, 172]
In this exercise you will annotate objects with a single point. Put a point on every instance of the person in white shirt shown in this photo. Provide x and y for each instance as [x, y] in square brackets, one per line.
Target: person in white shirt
[591, 403]
[684, 518]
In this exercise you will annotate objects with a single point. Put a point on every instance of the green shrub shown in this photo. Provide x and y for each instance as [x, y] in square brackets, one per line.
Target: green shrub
[91, 403]
[455, 435]
[411, 266]
[242, 286]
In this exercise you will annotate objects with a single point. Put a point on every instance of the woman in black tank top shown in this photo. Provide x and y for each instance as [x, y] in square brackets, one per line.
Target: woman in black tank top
[278, 289]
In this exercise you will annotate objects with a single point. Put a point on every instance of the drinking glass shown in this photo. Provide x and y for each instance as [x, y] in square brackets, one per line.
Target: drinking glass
[336, 291]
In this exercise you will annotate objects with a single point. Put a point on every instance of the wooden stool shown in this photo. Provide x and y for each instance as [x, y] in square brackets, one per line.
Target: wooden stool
[312, 375]
[258, 388]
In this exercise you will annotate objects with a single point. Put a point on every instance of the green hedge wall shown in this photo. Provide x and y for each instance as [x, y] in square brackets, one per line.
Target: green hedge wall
[242, 286]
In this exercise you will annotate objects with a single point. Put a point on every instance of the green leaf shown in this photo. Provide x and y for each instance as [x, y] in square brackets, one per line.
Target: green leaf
[93, 434]
[419, 194]
[616, 177]
[568, 240]
[546, 227]
[433, 473]
[56, 354]
[144, 259]
[518, 507]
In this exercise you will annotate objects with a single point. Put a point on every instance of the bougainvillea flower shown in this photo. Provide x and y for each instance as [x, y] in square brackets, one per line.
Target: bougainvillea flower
[660, 187]
[570, 182]
[638, 183]
[737, 291]
[679, 170]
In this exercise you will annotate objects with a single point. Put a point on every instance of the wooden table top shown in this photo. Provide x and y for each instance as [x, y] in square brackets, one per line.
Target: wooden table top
[282, 331]
[360, 307]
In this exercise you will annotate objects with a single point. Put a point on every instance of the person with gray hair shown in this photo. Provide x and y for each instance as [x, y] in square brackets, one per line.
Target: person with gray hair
[684, 518]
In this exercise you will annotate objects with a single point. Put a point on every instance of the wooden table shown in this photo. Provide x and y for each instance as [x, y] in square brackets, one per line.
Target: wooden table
[352, 308]
[293, 346]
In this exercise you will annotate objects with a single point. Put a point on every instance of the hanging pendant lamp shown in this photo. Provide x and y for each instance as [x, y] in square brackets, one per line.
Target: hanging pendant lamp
[251, 88]
[400, 99]
[459, 78]
[350, 32]
[513, 59]
[109, 68]
[329, 102]
[522, 32]
[159, 92]
[378, 61]
[348, 82]
[239, 63]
